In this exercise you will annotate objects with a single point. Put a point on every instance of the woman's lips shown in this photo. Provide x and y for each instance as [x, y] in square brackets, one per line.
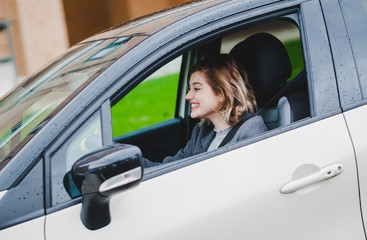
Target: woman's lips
[194, 106]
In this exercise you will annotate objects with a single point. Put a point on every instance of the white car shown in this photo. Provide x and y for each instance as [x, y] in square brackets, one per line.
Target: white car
[73, 135]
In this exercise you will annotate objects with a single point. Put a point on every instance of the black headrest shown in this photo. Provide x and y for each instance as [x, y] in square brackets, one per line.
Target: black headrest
[266, 62]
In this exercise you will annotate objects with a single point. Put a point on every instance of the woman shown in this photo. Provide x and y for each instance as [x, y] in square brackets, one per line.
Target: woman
[222, 97]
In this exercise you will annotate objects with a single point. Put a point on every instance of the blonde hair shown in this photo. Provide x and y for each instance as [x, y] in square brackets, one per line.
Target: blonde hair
[229, 81]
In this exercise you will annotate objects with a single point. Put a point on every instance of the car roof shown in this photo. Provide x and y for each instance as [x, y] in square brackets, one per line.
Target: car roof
[152, 23]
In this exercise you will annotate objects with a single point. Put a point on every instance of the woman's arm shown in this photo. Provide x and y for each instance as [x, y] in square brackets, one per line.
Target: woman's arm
[185, 152]
[251, 128]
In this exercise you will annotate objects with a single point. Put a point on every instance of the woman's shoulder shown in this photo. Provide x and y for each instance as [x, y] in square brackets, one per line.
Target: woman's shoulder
[256, 118]
[202, 129]
[253, 125]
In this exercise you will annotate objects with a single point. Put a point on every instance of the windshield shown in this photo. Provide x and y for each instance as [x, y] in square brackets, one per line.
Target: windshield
[25, 110]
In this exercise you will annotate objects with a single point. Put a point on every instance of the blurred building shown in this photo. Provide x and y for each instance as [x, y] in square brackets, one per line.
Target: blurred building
[33, 32]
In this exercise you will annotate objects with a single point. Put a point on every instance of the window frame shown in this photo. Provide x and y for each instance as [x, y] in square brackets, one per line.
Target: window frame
[350, 91]
[106, 131]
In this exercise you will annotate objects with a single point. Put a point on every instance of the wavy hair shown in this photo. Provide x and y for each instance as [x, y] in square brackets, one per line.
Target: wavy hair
[229, 80]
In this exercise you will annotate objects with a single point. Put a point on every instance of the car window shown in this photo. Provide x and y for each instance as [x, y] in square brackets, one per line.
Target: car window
[286, 31]
[273, 103]
[355, 13]
[151, 102]
[23, 111]
[86, 139]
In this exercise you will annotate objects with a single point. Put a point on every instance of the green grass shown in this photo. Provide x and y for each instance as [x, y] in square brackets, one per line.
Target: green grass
[151, 102]
[294, 50]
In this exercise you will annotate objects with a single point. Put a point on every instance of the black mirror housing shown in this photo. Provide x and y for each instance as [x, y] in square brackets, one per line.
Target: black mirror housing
[101, 174]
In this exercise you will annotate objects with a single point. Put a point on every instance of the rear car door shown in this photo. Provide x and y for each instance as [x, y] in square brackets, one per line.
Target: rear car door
[294, 182]
[353, 80]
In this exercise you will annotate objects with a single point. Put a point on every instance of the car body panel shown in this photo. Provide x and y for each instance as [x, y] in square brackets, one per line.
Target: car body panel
[239, 192]
[25, 200]
[325, 95]
[32, 230]
[342, 53]
[356, 121]
[354, 13]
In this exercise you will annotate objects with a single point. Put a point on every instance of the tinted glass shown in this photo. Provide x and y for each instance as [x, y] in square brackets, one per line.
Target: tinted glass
[355, 17]
[287, 32]
[24, 110]
[85, 140]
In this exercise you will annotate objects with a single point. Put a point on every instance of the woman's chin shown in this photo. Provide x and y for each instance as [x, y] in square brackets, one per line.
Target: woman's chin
[193, 115]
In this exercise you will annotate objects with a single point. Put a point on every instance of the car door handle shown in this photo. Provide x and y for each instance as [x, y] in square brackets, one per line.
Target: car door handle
[324, 174]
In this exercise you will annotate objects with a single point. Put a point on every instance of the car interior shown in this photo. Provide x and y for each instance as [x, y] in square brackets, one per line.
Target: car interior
[281, 88]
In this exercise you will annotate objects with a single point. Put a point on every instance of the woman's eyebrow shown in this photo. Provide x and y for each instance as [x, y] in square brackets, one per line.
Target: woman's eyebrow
[196, 83]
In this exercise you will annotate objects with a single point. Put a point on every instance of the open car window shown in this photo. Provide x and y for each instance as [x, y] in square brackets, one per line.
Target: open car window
[141, 117]
[152, 101]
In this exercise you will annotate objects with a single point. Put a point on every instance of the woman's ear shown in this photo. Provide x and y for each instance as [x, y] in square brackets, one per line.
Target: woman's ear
[221, 98]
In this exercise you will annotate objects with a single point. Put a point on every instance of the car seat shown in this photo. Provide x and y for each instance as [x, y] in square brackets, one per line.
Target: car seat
[268, 66]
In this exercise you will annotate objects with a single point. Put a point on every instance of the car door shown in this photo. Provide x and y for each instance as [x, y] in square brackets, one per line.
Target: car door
[294, 182]
[354, 89]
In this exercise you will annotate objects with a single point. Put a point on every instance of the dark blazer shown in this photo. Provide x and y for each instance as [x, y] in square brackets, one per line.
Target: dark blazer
[203, 134]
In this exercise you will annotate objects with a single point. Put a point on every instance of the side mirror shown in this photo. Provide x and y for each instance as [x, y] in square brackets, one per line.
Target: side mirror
[101, 174]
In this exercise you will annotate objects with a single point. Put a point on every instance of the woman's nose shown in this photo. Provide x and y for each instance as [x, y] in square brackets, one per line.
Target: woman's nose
[188, 95]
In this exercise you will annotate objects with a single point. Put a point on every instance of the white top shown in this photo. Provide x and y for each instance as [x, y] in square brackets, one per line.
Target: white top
[219, 136]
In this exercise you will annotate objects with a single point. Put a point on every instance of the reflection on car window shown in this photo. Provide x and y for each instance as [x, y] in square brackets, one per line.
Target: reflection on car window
[23, 111]
[85, 140]
[108, 49]
[153, 101]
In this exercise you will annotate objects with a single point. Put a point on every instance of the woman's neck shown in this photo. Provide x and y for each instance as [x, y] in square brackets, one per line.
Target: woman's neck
[219, 123]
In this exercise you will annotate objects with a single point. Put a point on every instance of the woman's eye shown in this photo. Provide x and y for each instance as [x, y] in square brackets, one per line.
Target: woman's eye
[196, 89]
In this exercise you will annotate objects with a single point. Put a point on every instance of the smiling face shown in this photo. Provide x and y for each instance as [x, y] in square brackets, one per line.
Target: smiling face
[204, 102]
